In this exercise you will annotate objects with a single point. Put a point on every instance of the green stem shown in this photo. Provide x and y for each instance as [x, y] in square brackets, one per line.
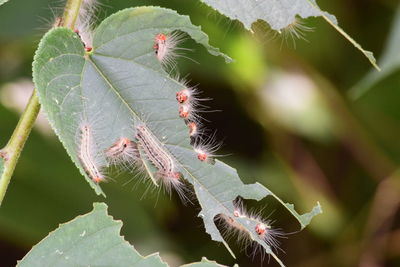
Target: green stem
[11, 152]
[71, 13]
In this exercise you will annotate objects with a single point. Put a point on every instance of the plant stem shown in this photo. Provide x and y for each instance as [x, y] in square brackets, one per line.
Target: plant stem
[11, 152]
[71, 13]
[13, 149]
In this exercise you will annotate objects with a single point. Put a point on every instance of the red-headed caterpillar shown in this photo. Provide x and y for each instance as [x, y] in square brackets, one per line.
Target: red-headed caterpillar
[189, 94]
[123, 151]
[85, 21]
[188, 104]
[165, 47]
[185, 111]
[239, 221]
[206, 148]
[193, 129]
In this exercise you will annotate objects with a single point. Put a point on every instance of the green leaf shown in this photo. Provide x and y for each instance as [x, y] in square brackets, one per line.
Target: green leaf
[304, 219]
[59, 63]
[390, 61]
[125, 27]
[120, 84]
[92, 239]
[279, 14]
[204, 263]
[61, 55]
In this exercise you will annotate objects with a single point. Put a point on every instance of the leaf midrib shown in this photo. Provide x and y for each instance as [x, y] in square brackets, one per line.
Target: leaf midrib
[135, 114]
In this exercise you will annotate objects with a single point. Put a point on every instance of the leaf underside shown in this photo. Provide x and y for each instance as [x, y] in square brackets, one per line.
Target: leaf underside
[92, 239]
[279, 14]
[120, 84]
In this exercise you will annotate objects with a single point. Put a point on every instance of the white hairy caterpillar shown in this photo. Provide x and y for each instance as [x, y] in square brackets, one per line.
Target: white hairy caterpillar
[161, 159]
[188, 109]
[206, 148]
[87, 154]
[166, 48]
[189, 103]
[123, 152]
[84, 23]
[263, 228]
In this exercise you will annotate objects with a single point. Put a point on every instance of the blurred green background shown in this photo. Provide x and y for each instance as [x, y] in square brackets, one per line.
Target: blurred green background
[291, 118]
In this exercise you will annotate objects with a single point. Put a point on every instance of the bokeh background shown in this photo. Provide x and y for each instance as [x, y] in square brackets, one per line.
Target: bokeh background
[308, 118]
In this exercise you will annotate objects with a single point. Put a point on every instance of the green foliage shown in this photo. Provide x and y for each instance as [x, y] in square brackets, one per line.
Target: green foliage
[65, 79]
[120, 85]
[327, 162]
[92, 239]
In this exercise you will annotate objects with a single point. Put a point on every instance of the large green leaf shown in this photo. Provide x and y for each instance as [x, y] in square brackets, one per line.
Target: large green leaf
[121, 84]
[92, 239]
[63, 75]
[279, 14]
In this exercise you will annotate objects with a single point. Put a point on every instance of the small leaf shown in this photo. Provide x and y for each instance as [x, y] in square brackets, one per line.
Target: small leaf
[303, 219]
[390, 61]
[279, 14]
[92, 239]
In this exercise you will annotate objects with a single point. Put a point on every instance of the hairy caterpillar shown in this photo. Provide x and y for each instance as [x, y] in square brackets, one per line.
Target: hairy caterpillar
[206, 149]
[165, 47]
[156, 153]
[123, 151]
[85, 21]
[87, 154]
[263, 228]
